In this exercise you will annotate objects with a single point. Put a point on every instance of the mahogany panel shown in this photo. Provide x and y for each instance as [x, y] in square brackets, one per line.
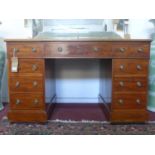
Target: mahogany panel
[27, 101]
[129, 100]
[25, 50]
[132, 84]
[30, 84]
[129, 116]
[78, 49]
[34, 116]
[130, 50]
[129, 67]
[29, 67]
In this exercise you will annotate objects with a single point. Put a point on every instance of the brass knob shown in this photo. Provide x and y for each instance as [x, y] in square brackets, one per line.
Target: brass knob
[139, 67]
[17, 84]
[139, 84]
[36, 101]
[95, 49]
[138, 101]
[60, 49]
[121, 83]
[78, 47]
[34, 49]
[122, 50]
[120, 101]
[140, 50]
[34, 67]
[17, 101]
[121, 67]
[35, 83]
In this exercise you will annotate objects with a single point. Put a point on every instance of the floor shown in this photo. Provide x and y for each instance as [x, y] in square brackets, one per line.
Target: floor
[77, 112]
[75, 120]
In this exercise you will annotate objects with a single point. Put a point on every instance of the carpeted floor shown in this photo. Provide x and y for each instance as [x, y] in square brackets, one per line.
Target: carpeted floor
[77, 127]
[74, 128]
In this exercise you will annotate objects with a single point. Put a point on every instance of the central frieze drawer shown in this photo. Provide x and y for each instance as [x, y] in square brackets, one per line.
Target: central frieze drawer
[23, 84]
[27, 101]
[78, 49]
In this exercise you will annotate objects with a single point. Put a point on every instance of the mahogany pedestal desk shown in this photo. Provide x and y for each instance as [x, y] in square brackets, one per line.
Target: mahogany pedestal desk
[130, 61]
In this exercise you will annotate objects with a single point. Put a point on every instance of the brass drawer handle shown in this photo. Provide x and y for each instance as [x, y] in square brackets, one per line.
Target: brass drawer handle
[60, 49]
[95, 49]
[139, 67]
[122, 50]
[17, 84]
[139, 84]
[121, 67]
[35, 83]
[138, 101]
[140, 50]
[18, 101]
[121, 83]
[34, 67]
[36, 101]
[34, 50]
[120, 101]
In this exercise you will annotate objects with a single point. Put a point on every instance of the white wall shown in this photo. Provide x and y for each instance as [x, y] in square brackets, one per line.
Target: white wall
[140, 28]
[77, 81]
[14, 29]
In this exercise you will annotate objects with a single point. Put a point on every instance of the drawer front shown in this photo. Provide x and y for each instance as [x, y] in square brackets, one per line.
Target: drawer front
[27, 116]
[125, 84]
[24, 84]
[25, 50]
[131, 50]
[25, 101]
[123, 67]
[130, 116]
[29, 66]
[129, 101]
[78, 49]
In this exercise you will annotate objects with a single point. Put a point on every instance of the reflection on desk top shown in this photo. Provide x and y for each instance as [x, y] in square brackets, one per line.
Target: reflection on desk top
[78, 40]
[91, 36]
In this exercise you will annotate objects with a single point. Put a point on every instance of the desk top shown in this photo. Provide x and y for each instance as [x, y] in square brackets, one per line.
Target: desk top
[78, 40]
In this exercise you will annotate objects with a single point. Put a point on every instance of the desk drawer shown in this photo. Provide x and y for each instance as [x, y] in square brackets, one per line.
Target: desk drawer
[127, 67]
[29, 66]
[78, 49]
[25, 50]
[129, 101]
[129, 116]
[26, 101]
[127, 50]
[134, 84]
[26, 84]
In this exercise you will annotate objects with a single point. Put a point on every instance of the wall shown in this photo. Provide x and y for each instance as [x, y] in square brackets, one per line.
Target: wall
[14, 29]
[140, 28]
[77, 81]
